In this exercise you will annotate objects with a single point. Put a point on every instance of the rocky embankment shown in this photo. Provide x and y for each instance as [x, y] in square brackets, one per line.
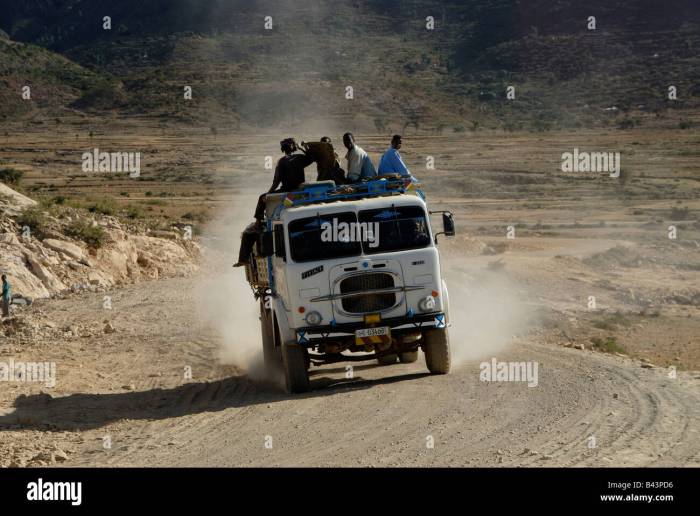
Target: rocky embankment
[54, 263]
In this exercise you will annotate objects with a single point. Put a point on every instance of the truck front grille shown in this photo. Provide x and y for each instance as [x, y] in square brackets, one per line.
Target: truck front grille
[367, 303]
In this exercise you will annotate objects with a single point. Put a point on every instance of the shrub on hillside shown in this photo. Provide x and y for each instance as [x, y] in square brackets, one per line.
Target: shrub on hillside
[103, 207]
[92, 234]
[35, 220]
[10, 175]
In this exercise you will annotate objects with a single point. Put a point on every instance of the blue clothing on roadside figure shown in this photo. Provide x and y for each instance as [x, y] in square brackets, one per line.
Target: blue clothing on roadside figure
[391, 163]
[5, 301]
[5, 290]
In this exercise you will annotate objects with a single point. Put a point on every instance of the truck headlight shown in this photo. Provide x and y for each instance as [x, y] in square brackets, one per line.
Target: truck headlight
[427, 304]
[313, 318]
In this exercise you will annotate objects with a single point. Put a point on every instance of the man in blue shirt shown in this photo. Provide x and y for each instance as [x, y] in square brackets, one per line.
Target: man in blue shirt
[391, 162]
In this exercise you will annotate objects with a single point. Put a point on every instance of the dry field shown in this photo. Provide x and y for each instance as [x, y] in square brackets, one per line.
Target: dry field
[624, 369]
[575, 234]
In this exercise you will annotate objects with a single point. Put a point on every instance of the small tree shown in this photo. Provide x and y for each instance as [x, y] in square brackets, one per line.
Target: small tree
[10, 175]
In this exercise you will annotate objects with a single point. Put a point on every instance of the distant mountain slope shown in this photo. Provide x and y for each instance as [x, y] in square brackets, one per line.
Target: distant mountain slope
[54, 81]
[401, 74]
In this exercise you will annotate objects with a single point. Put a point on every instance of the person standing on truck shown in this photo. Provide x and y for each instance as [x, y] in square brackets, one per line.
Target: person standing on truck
[6, 293]
[391, 162]
[327, 166]
[359, 163]
[338, 174]
[289, 175]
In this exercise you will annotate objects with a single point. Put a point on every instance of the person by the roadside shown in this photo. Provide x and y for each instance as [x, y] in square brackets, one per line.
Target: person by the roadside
[360, 165]
[391, 162]
[6, 293]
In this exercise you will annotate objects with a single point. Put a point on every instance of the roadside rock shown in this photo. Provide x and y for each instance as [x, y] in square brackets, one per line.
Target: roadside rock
[59, 265]
[59, 456]
[22, 279]
[51, 282]
[101, 279]
[14, 202]
[71, 250]
[43, 457]
[171, 235]
[9, 239]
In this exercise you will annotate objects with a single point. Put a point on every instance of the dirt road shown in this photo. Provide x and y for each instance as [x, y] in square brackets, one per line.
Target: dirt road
[128, 398]
[123, 400]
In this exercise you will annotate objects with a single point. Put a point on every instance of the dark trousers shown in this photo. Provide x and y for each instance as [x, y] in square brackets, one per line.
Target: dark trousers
[250, 234]
[260, 207]
[5, 307]
[248, 238]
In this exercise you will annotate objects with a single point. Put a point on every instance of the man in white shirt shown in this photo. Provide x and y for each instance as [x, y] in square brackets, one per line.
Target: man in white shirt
[359, 163]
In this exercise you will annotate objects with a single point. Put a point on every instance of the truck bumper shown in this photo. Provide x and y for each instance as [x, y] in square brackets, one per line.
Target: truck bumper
[316, 334]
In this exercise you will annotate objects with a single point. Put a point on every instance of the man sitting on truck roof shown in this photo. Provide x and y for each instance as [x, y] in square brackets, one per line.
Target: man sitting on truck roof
[359, 163]
[290, 175]
[391, 162]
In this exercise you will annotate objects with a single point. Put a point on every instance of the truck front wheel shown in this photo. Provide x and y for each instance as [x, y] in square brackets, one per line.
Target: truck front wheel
[294, 361]
[436, 346]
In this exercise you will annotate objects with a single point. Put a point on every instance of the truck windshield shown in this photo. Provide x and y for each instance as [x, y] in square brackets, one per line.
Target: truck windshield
[397, 228]
[308, 241]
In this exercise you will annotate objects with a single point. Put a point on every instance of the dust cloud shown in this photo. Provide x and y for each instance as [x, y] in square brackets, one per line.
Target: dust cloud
[485, 312]
[224, 299]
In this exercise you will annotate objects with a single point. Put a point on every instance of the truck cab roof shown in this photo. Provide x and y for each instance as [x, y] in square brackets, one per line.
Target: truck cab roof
[367, 203]
[367, 195]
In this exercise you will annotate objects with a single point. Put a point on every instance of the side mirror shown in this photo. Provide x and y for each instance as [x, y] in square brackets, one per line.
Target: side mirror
[266, 244]
[448, 224]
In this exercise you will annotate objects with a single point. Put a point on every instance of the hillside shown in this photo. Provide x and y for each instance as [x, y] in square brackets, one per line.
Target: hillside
[403, 76]
[53, 250]
[55, 82]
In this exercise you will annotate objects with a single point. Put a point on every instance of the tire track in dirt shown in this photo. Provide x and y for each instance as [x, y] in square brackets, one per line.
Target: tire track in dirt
[382, 416]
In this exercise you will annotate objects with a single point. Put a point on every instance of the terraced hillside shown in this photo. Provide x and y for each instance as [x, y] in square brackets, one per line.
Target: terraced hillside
[403, 76]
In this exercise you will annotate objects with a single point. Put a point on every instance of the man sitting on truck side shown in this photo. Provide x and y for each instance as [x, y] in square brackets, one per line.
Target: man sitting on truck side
[248, 238]
[359, 163]
[391, 162]
[290, 175]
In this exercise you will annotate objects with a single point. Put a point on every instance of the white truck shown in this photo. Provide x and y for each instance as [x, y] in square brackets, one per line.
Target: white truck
[350, 273]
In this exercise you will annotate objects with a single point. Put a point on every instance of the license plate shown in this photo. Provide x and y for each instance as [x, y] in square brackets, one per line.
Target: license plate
[373, 335]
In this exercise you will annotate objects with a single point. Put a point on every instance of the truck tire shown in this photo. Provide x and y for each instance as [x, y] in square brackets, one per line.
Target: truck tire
[296, 376]
[271, 354]
[387, 359]
[436, 347]
[408, 357]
